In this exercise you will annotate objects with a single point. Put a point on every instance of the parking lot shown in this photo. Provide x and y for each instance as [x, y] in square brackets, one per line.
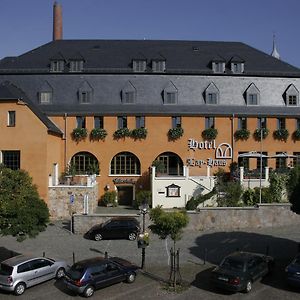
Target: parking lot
[199, 252]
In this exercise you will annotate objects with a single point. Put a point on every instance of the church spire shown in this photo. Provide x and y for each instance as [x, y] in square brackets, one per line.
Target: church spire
[275, 53]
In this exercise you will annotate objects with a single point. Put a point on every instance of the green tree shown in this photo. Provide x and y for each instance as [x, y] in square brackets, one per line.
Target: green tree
[169, 224]
[293, 187]
[22, 212]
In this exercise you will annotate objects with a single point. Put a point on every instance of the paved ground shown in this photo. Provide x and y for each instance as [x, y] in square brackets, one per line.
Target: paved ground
[199, 251]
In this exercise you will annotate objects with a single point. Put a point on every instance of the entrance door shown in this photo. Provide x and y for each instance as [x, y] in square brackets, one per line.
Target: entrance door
[125, 195]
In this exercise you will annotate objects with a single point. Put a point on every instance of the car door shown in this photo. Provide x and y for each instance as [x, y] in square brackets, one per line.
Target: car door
[252, 270]
[262, 266]
[114, 274]
[25, 274]
[98, 275]
[112, 229]
[41, 270]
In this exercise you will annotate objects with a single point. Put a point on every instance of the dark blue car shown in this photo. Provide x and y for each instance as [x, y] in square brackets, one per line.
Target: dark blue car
[293, 272]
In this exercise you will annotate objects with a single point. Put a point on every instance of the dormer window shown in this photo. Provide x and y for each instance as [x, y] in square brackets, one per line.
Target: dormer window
[252, 95]
[85, 93]
[212, 94]
[292, 96]
[139, 65]
[76, 65]
[237, 65]
[46, 93]
[158, 65]
[170, 94]
[128, 93]
[218, 64]
[57, 66]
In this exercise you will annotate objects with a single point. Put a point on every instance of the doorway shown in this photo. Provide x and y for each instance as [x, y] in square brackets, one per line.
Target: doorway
[125, 195]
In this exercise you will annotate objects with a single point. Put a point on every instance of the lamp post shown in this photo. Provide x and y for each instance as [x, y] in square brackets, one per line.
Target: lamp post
[144, 210]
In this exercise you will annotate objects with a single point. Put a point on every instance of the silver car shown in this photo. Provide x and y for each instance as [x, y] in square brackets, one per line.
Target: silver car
[20, 272]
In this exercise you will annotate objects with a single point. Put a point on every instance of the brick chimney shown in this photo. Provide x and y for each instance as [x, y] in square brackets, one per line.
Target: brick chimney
[57, 21]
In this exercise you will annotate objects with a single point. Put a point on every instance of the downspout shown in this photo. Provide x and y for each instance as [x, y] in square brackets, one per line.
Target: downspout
[232, 137]
[65, 142]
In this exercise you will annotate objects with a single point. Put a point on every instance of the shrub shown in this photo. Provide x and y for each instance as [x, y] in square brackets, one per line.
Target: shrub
[109, 198]
[139, 133]
[296, 135]
[231, 197]
[98, 134]
[242, 134]
[79, 134]
[121, 133]
[142, 197]
[159, 166]
[210, 133]
[193, 203]
[281, 134]
[175, 133]
[257, 133]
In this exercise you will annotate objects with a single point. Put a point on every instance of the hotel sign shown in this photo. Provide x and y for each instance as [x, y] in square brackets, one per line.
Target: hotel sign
[222, 152]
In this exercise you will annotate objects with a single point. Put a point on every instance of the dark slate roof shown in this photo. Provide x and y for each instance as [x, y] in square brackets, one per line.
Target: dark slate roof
[9, 91]
[115, 56]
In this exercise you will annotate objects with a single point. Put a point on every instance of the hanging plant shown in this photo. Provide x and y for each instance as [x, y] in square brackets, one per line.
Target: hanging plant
[139, 133]
[79, 134]
[242, 134]
[296, 135]
[121, 133]
[175, 133]
[98, 134]
[257, 134]
[281, 134]
[210, 133]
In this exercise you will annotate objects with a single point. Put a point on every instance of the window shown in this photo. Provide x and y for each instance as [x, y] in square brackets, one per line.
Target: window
[122, 122]
[292, 100]
[212, 98]
[291, 96]
[242, 123]
[11, 159]
[170, 97]
[98, 122]
[45, 97]
[281, 162]
[129, 97]
[252, 99]
[236, 67]
[243, 161]
[173, 164]
[140, 122]
[262, 123]
[264, 162]
[85, 96]
[296, 160]
[211, 94]
[170, 94]
[158, 65]
[85, 163]
[139, 65]
[209, 122]
[125, 163]
[76, 66]
[219, 67]
[11, 122]
[298, 124]
[80, 122]
[176, 122]
[24, 267]
[57, 65]
[281, 123]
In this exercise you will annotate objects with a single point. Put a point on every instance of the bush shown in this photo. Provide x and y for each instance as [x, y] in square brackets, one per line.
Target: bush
[296, 135]
[281, 134]
[79, 134]
[231, 197]
[98, 134]
[193, 203]
[242, 134]
[142, 197]
[121, 133]
[109, 198]
[175, 133]
[257, 133]
[139, 133]
[210, 133]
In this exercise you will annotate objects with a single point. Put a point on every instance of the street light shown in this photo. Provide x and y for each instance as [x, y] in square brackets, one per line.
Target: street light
[142, 242]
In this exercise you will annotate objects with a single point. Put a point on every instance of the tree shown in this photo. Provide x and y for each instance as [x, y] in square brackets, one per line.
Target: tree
[293, 187]
[22, 212]
[169, 224]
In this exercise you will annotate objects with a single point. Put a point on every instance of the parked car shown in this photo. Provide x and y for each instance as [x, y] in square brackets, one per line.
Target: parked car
[22, 271]
[115, 228]
[293, 272]
[239, 270]
[85, 276]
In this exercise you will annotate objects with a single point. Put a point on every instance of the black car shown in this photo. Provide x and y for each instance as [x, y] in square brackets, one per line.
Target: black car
[239, 270]
[85, 276]
[293, 272]
[115, 228]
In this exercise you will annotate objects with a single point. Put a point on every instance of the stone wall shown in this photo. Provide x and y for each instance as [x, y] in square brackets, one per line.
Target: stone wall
[67, 200]
[218, 218]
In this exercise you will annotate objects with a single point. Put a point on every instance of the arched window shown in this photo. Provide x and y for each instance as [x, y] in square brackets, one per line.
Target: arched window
[85, 163]
[172, 162]
[125, 163]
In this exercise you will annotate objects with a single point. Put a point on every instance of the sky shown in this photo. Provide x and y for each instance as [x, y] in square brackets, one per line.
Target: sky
[27, 24]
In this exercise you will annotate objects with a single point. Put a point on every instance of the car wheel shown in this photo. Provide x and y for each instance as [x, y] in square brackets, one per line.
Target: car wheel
[132, 236]
[248, 286]
[20, 288]
[130, 278]
[98, 237]
[60, 273]
[89, 291]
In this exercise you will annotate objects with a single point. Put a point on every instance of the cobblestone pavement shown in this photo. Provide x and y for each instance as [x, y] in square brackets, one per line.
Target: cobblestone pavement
[199, 252]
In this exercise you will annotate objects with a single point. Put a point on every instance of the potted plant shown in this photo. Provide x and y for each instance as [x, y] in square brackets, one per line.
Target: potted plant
[281, 134]
[121, 133]
[175, 133]
[261, 132]
[159, 166]
[139, 133]
[79, 134]
[98, 134]
[110, 198]
[296, 135]
[242, 134]
[210, 133]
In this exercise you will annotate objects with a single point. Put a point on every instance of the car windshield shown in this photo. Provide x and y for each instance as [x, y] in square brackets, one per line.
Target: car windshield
[5, 269]
[232, 264]
[76, 271]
